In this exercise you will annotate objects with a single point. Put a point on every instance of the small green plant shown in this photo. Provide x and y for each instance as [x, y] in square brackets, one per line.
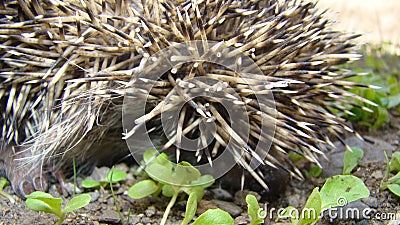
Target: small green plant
[114, 176]
[337, 191]
[170, 180]
[314, 171]
[351, 159]
[256, 214]
[4, 182]
[383, 72]
[392, 183]
[214, 217]
[41, 201]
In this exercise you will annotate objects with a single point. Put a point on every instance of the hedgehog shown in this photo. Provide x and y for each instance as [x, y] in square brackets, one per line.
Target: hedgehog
[69, 69]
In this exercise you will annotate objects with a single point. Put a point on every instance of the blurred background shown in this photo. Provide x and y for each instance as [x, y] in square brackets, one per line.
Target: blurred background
[378, 21]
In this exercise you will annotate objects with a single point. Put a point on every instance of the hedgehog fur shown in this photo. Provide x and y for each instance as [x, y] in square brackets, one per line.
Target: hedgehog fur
[65, 67]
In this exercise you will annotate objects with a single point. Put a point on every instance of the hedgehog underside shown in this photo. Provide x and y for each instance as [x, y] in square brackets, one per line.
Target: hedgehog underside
[66, 66]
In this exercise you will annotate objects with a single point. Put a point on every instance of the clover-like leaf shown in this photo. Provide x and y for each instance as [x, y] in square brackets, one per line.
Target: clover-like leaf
[312, 208]
[41, 201]
[351, 159]
[142, 189]
[160, 173]
[77, 202]
[214, 217]
[185, 173]
[204, 181]
[395, 162]
[167, 190]
[253, 210]
[341, 188]
[191, 207]
[394, 188]
[90, 183]
[116, 175]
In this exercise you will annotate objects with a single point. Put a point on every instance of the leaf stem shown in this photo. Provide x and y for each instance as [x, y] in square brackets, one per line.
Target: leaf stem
[61, 219]
[170, 204]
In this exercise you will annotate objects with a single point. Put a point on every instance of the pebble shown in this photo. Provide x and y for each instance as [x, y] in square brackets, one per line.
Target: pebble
[371, 201]
[146, 220]
[99, 174]
[70, 188]
[204, 205]
[108, 216]
[377, 174]
[94, 195]
[134, 219]
[373, 153]
[122, 166]
[229, 207]
[150, 211]
[241, 220]
[221, 194]
[240, 197]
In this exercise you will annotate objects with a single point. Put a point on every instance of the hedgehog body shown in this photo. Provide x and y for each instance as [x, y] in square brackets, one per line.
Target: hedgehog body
[66, 65]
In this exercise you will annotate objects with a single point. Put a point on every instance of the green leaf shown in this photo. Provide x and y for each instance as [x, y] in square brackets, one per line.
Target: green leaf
[161, 159]
[197, 189]
[142, 189]
[167, 190]
[394, 188]
[393, 101]
[147, 155]
[288, 213]
[341, 189]
[39, 194]
[395, 162]
[214, 217]
[204, 181]
[159, 172]
[39, 205]
[115, 175]
[41, 201]
[253, 209]
[351, 159]
[3, 182]
[395, 179]
[312, 208]
[315, 171]
[77, 202]
[185, 173]
[191, 207]
[90, 183]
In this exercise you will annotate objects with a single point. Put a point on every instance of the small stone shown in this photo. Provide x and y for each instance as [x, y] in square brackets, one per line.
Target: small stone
[122, 166]
[99, 174]
[229, 207]
[242, 220]
[70, 188]
[110, 201]
[240, 197]
[371, 202]
[108, 216]
[221, 194]
[146, 220]
[95, 195]
[134, 220]
[204, 205]
[377, 174]
[150, 211]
